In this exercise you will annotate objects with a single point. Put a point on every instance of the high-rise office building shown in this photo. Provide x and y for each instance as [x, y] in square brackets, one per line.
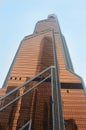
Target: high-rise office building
[41, 90]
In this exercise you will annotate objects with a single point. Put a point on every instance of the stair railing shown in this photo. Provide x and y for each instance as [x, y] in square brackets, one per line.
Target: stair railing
[28, 124]
[21, 86]
[25, 83]
[55, 111]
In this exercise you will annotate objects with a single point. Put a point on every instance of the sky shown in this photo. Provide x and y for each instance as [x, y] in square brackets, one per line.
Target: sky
[18, 19]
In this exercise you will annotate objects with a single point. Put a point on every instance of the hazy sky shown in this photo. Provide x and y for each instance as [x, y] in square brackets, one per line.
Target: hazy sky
[18, 18]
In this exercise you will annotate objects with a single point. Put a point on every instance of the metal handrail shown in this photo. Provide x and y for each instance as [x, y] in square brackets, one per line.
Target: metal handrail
[28, 81]
[52, 68]
[21, 86]
[28, 123]
[17, 98]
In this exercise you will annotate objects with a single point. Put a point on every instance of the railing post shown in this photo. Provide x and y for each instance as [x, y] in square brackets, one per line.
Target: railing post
[55, 107]
[30, 125]
[55, 103]
[52, 88]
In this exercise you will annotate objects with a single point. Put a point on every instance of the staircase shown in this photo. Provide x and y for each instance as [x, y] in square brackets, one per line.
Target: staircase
[30, 106]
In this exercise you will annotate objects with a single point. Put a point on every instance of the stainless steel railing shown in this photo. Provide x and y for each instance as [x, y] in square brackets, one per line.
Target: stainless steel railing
[51, 74]
[27, 125]
[21, 86]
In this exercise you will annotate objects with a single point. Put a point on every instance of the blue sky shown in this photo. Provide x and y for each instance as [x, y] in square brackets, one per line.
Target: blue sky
[18, 18]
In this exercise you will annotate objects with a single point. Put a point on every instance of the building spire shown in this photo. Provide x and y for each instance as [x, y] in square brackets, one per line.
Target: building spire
[52, 16]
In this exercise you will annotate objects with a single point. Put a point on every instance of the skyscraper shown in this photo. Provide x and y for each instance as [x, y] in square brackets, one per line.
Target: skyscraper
[42, 91]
